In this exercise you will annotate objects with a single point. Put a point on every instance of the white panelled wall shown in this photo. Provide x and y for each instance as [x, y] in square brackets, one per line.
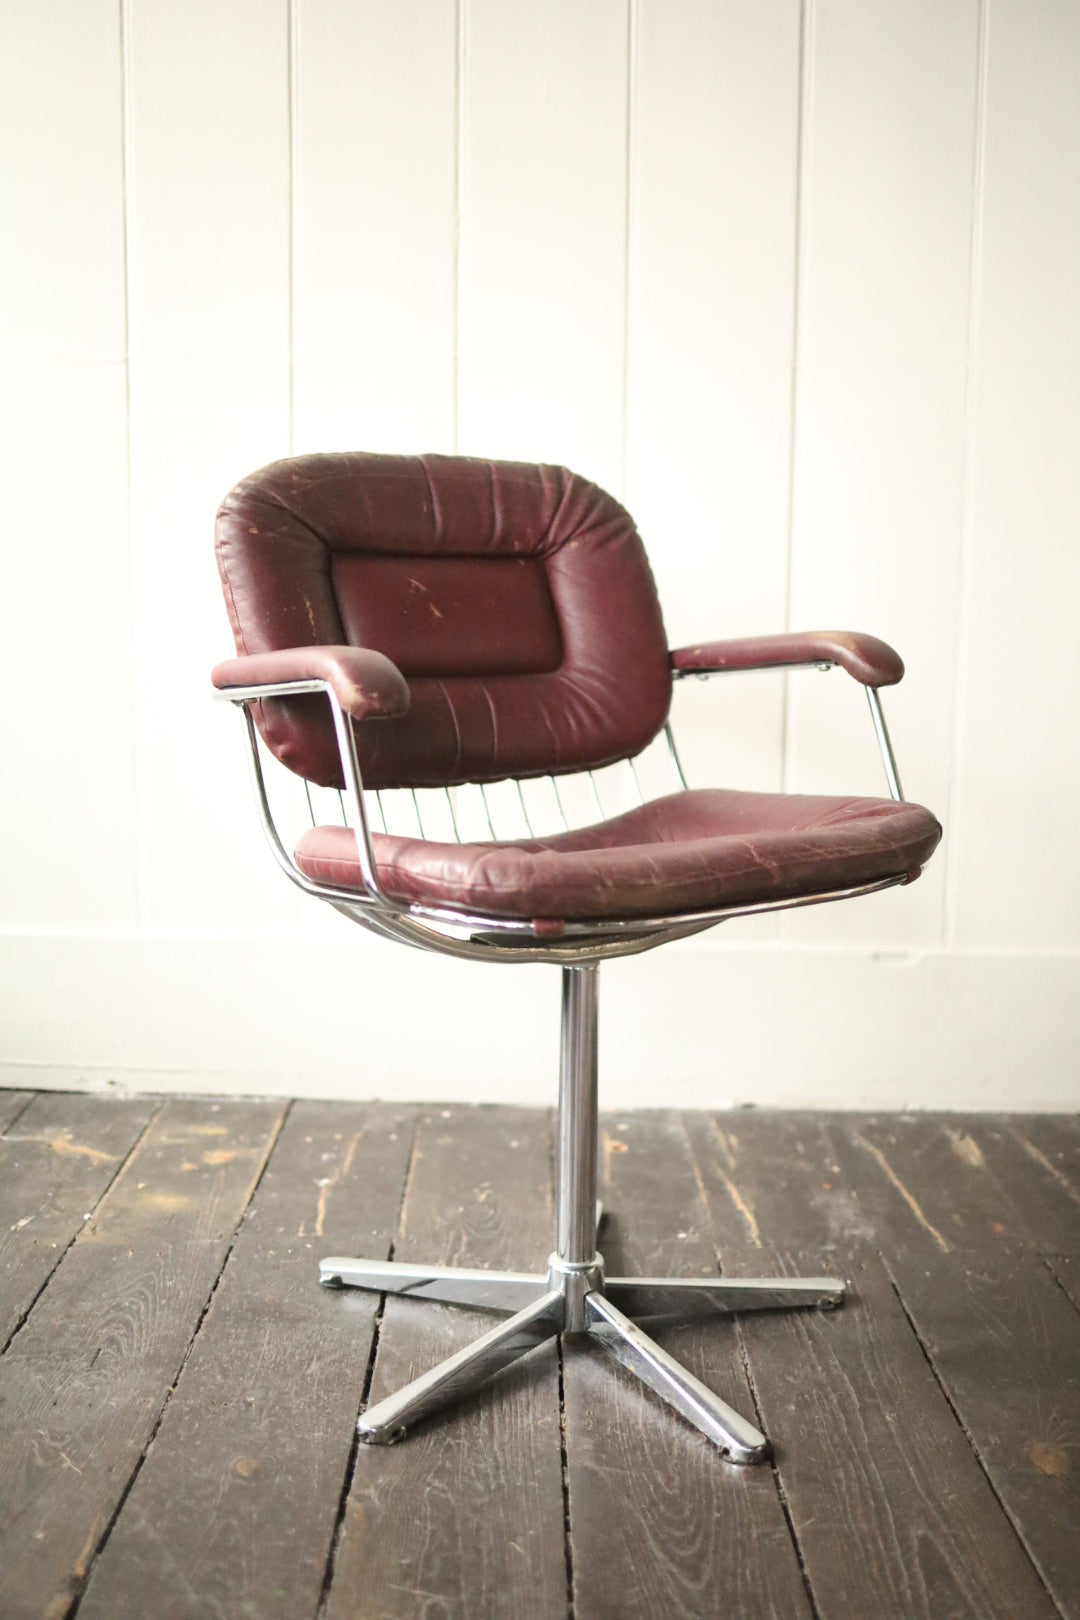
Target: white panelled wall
[799, 280]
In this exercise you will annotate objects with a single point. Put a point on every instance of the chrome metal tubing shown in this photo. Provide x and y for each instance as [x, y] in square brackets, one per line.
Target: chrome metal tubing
[466, 934]
[881, 730]
[454, 1285]
[673, 1382]
[575, 1166]
[676, 1298]
[821, 664]
[574, 1297]
[873, 697]
[673, 756]
[350, 765]
[463, 1372]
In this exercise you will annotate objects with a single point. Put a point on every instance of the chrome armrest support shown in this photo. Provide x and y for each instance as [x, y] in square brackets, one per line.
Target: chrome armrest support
[881, 731]
[873, 697]
[242, 697]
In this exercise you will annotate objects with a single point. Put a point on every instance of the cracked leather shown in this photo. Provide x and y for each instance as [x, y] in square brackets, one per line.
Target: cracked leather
[367, 685]
[687, 852]
[867, 659]
[516, 600]
[507, 616]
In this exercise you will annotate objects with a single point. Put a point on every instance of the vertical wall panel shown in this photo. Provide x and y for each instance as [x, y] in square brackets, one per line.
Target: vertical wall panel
[375, 222]
[712, 283]
[880, 405]
[61, 181]
[67, 809]
[209, 186]
[196, 428]
[1018, 877]
[797, 278]
[208, 177]
[543, 233]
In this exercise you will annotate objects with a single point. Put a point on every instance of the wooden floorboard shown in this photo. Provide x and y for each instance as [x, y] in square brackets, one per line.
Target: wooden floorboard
[943, 1191]
[466, 1516]
[178, 1395]
[764, 1173]
[12, 1104]
[893, 1514]
[1066, 1270]
[885, 1495]
[1020, 1404]
[84, 1381]
[1037, 1160]
[234, 1508]
[690, 1537]
[56, 1160]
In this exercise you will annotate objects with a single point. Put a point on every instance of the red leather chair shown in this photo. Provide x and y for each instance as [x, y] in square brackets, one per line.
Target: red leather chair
[431, 621]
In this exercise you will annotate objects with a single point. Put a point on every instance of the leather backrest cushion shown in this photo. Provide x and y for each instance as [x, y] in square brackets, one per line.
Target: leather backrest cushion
[517, 600]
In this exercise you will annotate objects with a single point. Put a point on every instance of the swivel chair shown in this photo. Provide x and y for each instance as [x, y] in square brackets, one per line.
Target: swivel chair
[429, 622]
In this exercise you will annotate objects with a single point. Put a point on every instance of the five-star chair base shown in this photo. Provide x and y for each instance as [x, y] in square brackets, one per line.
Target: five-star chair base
[574, 1298]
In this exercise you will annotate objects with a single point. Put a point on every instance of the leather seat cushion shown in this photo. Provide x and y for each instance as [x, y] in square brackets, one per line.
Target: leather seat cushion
[687, 852]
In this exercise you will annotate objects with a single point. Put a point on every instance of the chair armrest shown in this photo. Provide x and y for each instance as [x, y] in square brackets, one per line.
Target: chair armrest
[365, 683]
[868, 660]
[359, 684]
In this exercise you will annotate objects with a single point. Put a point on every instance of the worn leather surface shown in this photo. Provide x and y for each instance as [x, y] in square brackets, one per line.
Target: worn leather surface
[686, 852]
[869, 660]
[517, 600]
[366, 684]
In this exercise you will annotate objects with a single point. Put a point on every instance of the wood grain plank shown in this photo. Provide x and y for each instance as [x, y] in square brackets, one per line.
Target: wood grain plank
[234, 1508]
[1036, 1157]
[83, 1383]
[944, 1191]
[782, 1178]
[1005, 1343]
[55, 1162]
[465, 1516]
[1066, 1269]
[692, 1535]
[893, 1514]
[12, 1104]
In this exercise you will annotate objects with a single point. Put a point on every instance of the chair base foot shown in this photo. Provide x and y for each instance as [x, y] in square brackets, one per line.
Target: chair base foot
[574, 1299]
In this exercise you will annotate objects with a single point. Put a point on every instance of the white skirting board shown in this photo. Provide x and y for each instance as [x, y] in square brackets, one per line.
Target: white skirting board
[694, 1025]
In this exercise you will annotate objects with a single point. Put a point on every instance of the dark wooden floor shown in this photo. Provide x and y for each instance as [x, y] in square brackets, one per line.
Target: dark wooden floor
[178, 1396]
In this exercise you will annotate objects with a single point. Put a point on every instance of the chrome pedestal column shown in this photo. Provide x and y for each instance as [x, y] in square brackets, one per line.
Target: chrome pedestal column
[574, 1296]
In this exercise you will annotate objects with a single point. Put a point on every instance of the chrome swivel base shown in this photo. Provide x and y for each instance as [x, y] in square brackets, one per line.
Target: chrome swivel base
[573, 1298]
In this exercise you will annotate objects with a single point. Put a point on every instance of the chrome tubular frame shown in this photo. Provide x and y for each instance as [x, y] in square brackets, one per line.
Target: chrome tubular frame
[873, 697]
[574, 1295]
[461, 933]
[881, 731]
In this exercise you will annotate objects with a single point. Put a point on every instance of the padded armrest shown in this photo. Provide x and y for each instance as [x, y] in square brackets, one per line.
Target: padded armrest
[367, 685]
[868, 660]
